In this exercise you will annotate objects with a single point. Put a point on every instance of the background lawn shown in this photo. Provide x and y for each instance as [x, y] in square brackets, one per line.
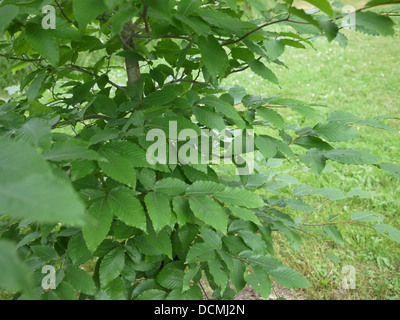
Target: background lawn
[362, 79]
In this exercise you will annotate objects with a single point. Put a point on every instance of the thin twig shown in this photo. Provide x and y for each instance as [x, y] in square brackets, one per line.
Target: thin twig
[77, 68]
[21, 59]
[338, 223]
[204, 291]
[62, 12]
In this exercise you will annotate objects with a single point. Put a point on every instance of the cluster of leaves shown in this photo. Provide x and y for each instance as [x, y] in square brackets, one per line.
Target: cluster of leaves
[76, 189]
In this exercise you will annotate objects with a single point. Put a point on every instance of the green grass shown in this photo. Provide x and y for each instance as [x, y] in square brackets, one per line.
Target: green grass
[362, 79]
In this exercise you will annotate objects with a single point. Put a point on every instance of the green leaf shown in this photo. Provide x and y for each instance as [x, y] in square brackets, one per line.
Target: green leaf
[161, 97]
[130, 151]
[260, 69]
[115, 289]
[242, 54]
[161, 241]
[335, 259]
[266, 147]
[7, 14]
[323, 5]
[367, 216]
[122, 16]
[70, 153]
[77, 250]
[118, 167]
[105, 105]
[209, 118]
[42, 41]
[300, 107]
[200, 251]
[204, 187]
[196, 24]
[351, 156]
[219, 275]
[38, 108]
[159, 209]
[310, 142]
[388, 231]
[36, 86]
[187, 7]
[342, 116]
[275, 49]
[265, 261]
[331, 29]
[80, 280]
[299, 205]
[152, 294]
[66, 31]
[97, 228]
[231, 4]
[170, 186]
[81, 92]
[171, 277]
[211, 238]
[237, 275]
[189, 276]
[334, 233]
[226, 22]
[244, 214]
[182, 210]
[65, 291]
[289, 278]
[254, 241]
[272, 116]
[373, 23]
[393, 169]
[111, 266]
[126, 207]
[214, 56]
[269, 146]
[239, 197]
[332, 193]
[22, 170]
[36, 132]
[224, 108]
[314, 160]
[13, 275]
[86, 11]
[260, 281]
[209, 211]
[335, 131]
[45, 252]
[104, 135]
[378, 2]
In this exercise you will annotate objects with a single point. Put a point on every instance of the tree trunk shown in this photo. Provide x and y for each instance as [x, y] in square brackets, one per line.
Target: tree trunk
[128, 41]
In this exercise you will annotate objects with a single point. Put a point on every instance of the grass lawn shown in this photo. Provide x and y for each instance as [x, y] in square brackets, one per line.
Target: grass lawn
[362, 79]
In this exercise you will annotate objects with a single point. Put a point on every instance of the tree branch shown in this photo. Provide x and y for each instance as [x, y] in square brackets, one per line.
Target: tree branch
[21, 59]
[76, 68]
[62, 12]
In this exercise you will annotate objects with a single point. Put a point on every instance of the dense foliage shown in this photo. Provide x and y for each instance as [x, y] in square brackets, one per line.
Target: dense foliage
[77, 188]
